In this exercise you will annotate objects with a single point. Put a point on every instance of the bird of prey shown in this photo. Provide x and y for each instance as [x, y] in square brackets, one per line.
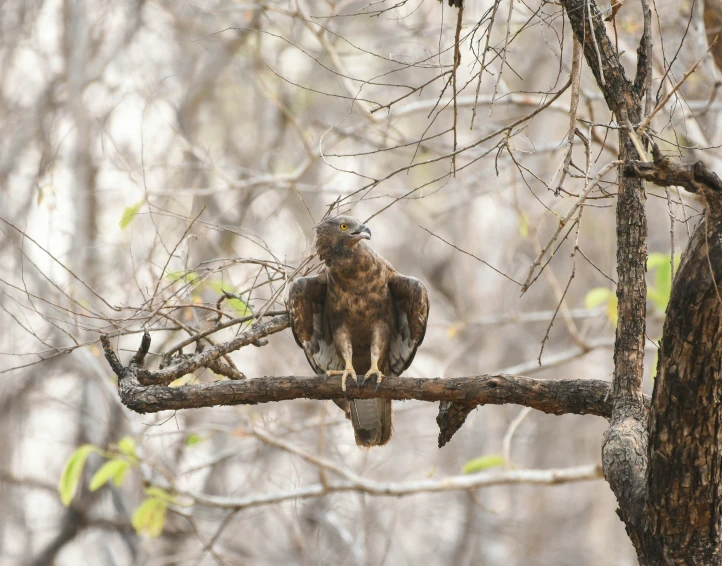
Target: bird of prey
[358, 316]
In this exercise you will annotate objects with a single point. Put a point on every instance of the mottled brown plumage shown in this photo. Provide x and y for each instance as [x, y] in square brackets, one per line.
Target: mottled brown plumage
[358, 316]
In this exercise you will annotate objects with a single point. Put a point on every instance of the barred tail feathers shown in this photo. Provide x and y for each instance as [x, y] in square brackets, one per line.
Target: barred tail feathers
[372, 421]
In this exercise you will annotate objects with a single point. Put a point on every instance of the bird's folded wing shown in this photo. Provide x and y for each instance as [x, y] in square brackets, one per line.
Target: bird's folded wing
[306, 303]
[411, 306]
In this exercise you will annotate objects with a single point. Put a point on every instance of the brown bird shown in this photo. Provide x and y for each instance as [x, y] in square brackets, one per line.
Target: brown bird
[358, 316]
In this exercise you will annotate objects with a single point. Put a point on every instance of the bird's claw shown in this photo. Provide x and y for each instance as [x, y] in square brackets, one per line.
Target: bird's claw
[344, 375]
[377, 373]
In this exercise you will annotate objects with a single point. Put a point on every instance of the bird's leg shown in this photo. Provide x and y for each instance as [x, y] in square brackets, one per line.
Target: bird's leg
[342, 341]
[348, 370]
[374, 371]
[375, 355]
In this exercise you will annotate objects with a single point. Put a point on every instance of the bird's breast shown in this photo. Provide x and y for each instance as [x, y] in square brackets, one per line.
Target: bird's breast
[358, 302]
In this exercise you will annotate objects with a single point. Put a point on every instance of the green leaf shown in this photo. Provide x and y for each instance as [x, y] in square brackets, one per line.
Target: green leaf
[612, 307]
[129, 214]
[660, 292]
[188, 276]
[663, 279]
[656, 260]
[600, 296]
[654, 364]
[115, 469]
[663, 285]
[182, 380]
[127, 446]
[524, 225]
[483, 463]
[158, 493]
[194, 439]
[659, 299]
[70, 478]
[239, 305]
[597, 296]
[120, 475]
[149, 517]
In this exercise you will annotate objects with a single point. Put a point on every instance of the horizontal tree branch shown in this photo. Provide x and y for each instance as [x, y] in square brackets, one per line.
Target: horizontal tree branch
[372, 487]
[695, 177]
[561, 396]
[555, 396]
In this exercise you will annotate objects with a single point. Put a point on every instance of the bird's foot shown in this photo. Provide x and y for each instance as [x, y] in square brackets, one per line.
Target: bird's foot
[344, 375]
[374, 372]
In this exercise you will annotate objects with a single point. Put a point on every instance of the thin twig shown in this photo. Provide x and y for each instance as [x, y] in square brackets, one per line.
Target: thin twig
[563, 222]
[665, 99]
[472, 255]
[457, 61]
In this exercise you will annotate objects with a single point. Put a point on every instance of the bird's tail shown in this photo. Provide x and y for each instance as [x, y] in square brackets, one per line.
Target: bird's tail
[372, 421]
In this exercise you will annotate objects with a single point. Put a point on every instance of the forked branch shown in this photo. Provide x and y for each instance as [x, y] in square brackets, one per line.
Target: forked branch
[554, 396]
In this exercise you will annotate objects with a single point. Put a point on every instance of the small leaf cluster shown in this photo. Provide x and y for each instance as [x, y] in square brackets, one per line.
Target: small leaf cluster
[149, 517]
[659, 289]
[119, 462]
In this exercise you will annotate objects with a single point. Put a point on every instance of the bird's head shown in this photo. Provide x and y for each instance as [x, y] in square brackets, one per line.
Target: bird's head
[339, 235]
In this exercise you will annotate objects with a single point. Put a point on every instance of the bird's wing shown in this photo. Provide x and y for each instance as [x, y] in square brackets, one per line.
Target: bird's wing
[306, 304]
[411, 306]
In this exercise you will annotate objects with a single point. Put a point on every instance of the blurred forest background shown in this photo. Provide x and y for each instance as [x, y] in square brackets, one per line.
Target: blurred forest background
[158, 154]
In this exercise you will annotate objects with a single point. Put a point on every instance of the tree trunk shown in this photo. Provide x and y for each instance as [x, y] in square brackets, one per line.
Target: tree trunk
[664, 466]
[685, 431]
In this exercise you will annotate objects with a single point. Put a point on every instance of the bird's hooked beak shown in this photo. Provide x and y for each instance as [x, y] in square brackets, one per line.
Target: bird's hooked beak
[362, 232]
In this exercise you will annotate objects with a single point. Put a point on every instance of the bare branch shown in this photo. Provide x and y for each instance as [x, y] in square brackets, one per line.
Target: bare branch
[675, 88]
[205, 358]
[695, 177]
[578, 396]
[360, 484]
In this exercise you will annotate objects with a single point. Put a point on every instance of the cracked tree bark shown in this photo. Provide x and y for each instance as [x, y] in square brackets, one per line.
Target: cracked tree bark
[685, 431]
[554, 396]
[684, 502]
[664, 465]
[624, 448]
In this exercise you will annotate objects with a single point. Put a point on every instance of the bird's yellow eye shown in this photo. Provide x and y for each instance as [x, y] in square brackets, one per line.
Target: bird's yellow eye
[344, 226]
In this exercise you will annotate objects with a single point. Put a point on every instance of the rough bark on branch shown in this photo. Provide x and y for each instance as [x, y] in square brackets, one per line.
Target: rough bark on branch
[694, 177]
[600, 54]
[624, 448]
[460, 394]
[555, 396]
[667, 477]
[450, 418]
[684, 500]
[207, 357]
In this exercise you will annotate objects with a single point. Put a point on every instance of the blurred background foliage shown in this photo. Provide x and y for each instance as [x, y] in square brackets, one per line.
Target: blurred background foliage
[159, 156]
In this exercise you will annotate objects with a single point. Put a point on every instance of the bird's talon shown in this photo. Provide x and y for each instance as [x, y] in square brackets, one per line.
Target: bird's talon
[379, 377]
[344, 374]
